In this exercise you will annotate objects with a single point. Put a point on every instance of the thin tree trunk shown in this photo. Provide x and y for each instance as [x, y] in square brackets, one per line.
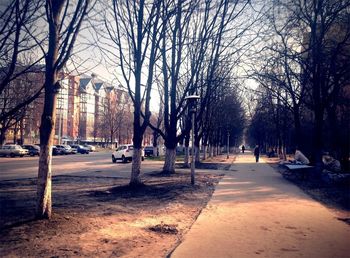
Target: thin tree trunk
[187, 157]
[317, 141]
[211, 151]
[297, 125]
[205, 147]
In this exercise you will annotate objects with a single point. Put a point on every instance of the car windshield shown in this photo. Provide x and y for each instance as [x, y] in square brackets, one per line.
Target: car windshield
[119, 148]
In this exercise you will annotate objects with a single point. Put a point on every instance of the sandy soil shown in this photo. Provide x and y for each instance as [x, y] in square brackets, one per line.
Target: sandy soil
[103, 217]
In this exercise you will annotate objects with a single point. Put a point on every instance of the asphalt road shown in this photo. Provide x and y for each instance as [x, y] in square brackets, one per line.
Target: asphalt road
[93, 164]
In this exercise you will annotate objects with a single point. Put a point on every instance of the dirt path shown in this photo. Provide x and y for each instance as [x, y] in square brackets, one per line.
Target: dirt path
[254, 212]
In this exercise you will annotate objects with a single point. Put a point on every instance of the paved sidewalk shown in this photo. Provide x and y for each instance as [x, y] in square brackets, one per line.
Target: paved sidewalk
[254, 212]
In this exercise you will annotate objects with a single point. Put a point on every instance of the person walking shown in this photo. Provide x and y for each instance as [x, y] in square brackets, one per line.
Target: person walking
[257, 153]
[243, 148]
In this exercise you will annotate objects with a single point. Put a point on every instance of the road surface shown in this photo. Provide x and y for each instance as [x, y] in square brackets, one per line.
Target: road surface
[93, 164]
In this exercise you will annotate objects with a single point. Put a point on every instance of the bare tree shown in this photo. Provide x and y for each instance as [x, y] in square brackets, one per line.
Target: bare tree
[64, 21]
[310, 63]
[133, 27]
[18, 57]
[190, 51]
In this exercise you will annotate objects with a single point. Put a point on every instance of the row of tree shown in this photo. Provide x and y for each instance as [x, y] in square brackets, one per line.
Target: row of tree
[180, 48]
[304, 81]
[177, 47]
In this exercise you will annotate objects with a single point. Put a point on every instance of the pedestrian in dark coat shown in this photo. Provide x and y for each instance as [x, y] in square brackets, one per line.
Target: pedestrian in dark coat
[243, 148]
[257, 153]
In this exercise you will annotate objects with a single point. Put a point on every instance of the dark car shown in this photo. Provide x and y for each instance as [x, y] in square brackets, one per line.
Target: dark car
[148, 151]
[32, 149]
[80, 149]
[60, 150]
[55, 151]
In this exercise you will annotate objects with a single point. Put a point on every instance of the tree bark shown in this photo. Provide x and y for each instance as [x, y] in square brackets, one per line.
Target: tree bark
[211, 151]
[47, 131]
[197, 154]
[2, 135]
[317, 139]
[136, 167]
[48, 118]
[205, 147]
[297, 125]
[187, 157]
[169, 163]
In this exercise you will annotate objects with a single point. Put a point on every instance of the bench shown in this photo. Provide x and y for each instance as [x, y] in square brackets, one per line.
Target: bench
[300, 169]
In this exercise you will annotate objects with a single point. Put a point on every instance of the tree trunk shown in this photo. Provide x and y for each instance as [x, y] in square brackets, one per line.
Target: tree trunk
[297, 126]
[15, 131]
[155, 151]
[211, 151]
[187, 152]
[197, 154]
[318, 138]
[47, 131]
[136, 167]
[169, 163]
[2, 135]
[215, 151]
[187, 157]
[205, 147]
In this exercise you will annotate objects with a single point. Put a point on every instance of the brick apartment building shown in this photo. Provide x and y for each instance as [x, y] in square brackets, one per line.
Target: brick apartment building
[80, 112]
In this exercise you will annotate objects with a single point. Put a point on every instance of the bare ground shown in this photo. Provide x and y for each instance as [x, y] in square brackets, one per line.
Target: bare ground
[103, 217]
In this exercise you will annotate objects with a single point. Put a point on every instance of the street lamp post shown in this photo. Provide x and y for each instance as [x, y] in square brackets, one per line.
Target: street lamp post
[192, 102]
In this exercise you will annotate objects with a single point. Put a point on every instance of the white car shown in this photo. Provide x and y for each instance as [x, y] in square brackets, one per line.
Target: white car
[124, 153]
[13, 150]
[91, 148]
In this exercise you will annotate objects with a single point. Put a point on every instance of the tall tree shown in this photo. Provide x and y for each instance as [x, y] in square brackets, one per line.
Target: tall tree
[192, 34]
[134, 29]
[313, 61]
[18, 58]
[64, 20]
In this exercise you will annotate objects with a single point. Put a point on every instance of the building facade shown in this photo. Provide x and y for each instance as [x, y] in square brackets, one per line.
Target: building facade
[85, 108]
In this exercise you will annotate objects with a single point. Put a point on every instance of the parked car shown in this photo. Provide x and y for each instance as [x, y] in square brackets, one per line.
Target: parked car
[124, 153]
[80, 149]
[90, 147]
[62, 149]
[68, 149]
[149, 151]
[73, 150]
[13, 150]
[33, 150]
[56, 151]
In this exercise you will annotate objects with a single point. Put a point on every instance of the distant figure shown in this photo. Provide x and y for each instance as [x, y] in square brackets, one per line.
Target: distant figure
[243, 148]
[271, 153]
[257, 153]
[300, 157]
